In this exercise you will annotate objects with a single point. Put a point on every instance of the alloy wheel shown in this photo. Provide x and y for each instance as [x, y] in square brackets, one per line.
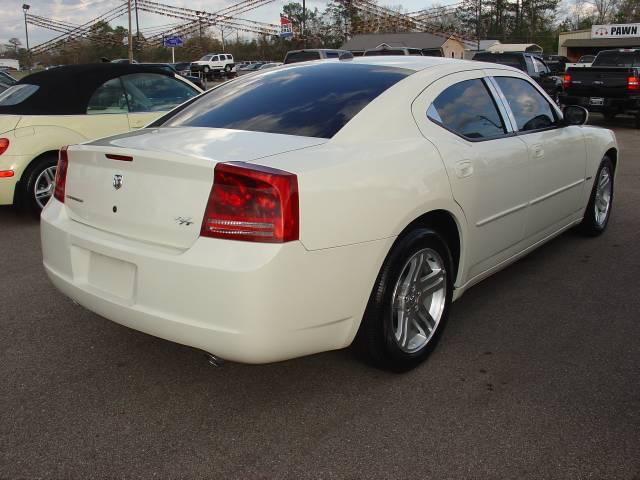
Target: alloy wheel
[44, 185]
[418, 300]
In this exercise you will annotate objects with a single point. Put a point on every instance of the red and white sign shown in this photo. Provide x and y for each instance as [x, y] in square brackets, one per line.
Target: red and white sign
[286, 27]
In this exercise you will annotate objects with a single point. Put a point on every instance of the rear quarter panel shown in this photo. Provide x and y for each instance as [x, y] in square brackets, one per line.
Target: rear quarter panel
[598, 142]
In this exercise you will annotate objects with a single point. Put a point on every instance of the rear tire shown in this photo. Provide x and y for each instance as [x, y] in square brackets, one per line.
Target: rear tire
[409, 303]
[596, 216]
[38, 183]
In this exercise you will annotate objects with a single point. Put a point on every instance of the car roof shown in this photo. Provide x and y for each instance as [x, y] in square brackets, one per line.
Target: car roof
[409, 62]
[66, 90]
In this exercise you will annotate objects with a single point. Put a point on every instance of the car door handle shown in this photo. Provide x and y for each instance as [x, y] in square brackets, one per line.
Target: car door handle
[538, 151]
[464, 168]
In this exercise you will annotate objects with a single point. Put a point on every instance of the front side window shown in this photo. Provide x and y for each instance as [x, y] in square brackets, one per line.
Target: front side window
[17, 94]
[530, 109]
[538, 65]
[467, 109]
[108, 98]
[312, 100]
[153, 92]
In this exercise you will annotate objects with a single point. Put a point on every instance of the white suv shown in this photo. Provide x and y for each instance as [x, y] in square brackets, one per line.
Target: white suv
[213, 62]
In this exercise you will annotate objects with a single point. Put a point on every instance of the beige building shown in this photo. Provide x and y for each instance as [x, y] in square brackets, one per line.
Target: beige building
[581, 42]
[430, 44]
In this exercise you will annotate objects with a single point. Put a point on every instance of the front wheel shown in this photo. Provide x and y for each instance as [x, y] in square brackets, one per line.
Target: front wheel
[39, 183]
[596, 217]
[409, 304]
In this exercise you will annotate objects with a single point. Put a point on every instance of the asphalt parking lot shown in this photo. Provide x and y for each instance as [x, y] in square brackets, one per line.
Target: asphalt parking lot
[537, 376]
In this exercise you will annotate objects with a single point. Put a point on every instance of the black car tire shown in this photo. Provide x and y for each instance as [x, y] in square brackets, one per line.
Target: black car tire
[29, 178]
[376, 337]
[589, 225]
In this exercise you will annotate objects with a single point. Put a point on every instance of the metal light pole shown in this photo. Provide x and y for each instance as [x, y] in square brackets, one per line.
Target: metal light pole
[130, 37]
[304, 24]
[137, 24]
[479, 22]
[25, 9]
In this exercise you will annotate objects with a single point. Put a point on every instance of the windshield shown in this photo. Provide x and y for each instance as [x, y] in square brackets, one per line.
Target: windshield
[206, 58]
[17, 94]
[313, 100]
[616, 59]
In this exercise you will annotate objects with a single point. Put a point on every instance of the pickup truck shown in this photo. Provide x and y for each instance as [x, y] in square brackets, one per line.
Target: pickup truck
[611, 85]
[530, 64]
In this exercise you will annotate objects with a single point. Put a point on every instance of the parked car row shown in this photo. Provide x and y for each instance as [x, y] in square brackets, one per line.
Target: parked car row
[349, 200]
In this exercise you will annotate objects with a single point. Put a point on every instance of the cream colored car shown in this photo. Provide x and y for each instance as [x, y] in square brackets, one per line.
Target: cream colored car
[298, 209]
[74, 104]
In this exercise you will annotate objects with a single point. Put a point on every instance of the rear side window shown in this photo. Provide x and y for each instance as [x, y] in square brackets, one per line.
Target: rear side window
[467, 109]
[152, 92]
[313, 100]
[616, 59]
[295, 57]
[333, 55]
[108, 98]
[530, 109]
[17, 94]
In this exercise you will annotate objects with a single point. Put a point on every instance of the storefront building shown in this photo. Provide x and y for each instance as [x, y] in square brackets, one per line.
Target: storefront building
[575, 44]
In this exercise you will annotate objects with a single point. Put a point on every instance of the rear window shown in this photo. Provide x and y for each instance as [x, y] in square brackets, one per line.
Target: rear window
[17, 94]
[295, 57]
[376, 53]
[508, 60]
[616, 59]
[314, 100]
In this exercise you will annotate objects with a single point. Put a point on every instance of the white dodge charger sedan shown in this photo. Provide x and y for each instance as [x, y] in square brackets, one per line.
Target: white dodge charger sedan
[297, 210]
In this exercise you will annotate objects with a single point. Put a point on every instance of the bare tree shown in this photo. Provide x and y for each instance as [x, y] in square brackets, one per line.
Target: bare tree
[605, 9]
[15, 43]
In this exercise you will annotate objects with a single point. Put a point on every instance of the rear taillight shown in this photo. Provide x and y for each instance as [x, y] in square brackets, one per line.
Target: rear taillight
[566, 81]
[4, 144]
[252, 203]
[632, 83]
[61, 174]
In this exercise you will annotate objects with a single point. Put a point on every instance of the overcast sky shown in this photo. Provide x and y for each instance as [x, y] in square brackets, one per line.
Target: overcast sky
[81, 11]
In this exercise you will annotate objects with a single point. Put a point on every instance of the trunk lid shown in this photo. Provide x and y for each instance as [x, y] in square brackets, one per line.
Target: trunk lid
[599, 81]
[160, 195]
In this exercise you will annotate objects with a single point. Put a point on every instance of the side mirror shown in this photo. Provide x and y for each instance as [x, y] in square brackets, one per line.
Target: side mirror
[575, 115]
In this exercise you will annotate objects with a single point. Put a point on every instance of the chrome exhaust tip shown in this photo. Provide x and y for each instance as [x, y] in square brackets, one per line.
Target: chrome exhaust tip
[214, 361]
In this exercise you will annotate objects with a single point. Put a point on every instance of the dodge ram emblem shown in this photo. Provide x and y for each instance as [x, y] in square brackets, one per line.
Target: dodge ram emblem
[117, 181]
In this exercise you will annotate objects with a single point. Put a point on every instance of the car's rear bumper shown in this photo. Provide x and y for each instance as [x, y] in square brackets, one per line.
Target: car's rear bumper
[621, 104]
[242, 301]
